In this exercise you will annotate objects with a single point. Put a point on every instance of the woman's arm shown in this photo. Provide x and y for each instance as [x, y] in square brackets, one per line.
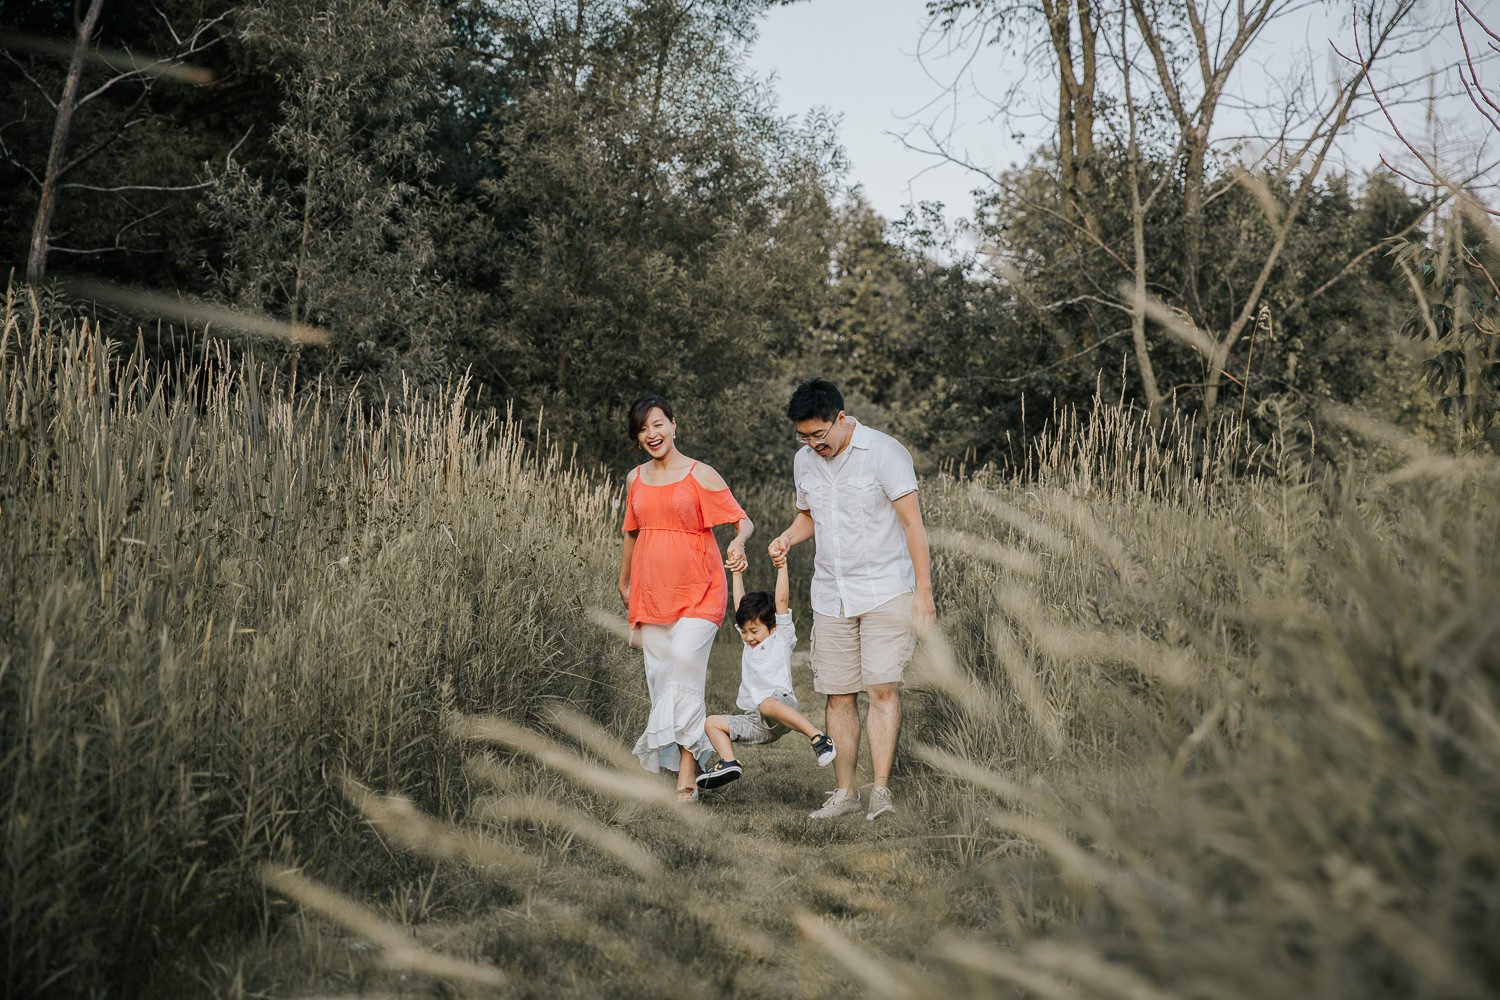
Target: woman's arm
[627, 551]
[736, 548]
[734, 555]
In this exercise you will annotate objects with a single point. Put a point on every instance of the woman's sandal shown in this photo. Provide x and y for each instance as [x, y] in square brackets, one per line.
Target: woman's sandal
[687, 795]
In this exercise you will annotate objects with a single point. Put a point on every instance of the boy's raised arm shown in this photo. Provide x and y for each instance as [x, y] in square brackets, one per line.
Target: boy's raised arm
[783, 587]
[739, 588]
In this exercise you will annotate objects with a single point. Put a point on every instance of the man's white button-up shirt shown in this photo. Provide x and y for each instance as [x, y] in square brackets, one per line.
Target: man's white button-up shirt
[861, 560]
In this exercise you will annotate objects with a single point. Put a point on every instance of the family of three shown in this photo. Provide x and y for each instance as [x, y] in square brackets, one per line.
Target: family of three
[856, 497]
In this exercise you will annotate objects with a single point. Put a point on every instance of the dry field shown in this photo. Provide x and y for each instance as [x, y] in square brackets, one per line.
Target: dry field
[302, 699]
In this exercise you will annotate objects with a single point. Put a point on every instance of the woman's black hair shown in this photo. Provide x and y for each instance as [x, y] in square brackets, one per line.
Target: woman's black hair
[817, 398]
[758, 604]
[640, 410]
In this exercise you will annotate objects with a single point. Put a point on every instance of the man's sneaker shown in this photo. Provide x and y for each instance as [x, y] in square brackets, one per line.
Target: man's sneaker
[880, 802]
[837, 805]
[823, 746]
[720, 774]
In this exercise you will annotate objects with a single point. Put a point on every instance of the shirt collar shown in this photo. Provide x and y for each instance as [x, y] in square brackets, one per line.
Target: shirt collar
[860, 436]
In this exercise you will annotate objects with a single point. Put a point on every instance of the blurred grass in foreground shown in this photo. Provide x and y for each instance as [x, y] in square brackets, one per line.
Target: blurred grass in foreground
[1200, 723]
[1228, 737]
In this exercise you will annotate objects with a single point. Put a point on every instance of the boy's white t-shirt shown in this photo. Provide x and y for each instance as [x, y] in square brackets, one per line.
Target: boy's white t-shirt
[766, 670]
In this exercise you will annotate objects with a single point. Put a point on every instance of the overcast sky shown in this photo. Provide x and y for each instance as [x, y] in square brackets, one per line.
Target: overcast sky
[858, 59]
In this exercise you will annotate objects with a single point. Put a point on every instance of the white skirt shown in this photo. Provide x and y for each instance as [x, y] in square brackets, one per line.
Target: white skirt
[676, 672]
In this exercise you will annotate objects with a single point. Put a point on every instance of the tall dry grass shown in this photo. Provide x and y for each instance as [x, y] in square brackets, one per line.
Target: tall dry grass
[1192, 732]
[1229, 736]
[218, 592]
[1200, 722]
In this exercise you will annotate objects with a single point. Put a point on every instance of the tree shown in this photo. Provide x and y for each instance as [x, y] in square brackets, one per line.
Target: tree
[1170, 67]
[1456, 279]
[657, 226]
[120, 87]
[330, 221]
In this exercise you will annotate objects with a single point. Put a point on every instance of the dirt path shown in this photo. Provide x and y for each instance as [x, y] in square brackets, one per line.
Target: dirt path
[746, 895]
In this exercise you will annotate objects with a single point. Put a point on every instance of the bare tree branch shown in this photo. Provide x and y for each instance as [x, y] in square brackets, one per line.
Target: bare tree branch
[138, 187]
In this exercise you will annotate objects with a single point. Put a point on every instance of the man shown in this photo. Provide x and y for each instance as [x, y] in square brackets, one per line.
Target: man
[872, 579]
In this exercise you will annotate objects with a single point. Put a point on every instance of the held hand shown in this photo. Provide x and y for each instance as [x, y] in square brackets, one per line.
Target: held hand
[736, 560]
[778, 548]
[778, 559]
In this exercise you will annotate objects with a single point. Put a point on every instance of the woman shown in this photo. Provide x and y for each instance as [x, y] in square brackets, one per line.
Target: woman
[672, 581]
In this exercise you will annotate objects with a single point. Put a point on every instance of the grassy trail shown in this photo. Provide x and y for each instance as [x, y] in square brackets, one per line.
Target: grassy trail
[742, 872]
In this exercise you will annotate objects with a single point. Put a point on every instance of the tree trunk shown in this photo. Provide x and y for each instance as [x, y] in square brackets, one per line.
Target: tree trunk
[67, 103]
[1076, 83]
[1138, 245]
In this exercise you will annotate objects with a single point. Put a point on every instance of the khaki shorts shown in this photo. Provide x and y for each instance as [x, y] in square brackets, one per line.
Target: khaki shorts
[850, 655]
[752, 727]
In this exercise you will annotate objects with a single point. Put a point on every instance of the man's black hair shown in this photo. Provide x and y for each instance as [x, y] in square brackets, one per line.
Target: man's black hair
[817, 398]
[758, 604]
[640, 410]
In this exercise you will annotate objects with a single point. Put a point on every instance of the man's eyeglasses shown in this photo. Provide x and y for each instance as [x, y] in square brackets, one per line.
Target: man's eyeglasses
[813, 439]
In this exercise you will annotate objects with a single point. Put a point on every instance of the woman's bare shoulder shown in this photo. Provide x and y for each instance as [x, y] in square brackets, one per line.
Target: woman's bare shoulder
[708, 478]
[632, 476]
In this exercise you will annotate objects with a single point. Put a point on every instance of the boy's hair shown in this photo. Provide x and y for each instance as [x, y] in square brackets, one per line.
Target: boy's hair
[640, 410]
[756, 605]
[817, 398]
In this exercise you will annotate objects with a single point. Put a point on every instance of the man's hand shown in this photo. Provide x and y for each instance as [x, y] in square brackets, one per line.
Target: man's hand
[777, 549]
[923, 610]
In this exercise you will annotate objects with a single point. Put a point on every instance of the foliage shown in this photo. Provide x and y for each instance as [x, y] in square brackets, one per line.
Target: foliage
[656, 226]
[1457, 316]
[130, 173]
[1317, 338]
[330, 223]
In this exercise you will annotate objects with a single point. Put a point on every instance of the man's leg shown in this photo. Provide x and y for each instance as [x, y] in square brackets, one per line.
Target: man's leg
[884, 724]
[837, 674]
[887, 638]
[843, 726]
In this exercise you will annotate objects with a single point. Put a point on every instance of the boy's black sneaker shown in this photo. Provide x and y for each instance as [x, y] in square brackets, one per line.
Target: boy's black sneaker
[824, 749]
[720, 774]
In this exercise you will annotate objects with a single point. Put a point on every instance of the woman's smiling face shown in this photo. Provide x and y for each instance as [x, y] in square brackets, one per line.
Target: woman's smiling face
[657, 433]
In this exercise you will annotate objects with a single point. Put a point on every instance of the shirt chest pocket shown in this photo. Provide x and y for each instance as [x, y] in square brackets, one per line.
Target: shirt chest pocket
[862, 490]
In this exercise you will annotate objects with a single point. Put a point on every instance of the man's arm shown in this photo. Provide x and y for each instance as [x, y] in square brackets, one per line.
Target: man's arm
[923, 610]
[799, 531]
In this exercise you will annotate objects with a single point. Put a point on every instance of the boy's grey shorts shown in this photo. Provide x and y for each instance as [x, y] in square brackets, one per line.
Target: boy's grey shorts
[752, 727]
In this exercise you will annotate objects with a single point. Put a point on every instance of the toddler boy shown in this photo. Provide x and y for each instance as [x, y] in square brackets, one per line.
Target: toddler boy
[765, 624]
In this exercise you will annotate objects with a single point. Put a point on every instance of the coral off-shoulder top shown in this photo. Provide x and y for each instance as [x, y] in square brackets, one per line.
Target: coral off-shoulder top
[676, 570]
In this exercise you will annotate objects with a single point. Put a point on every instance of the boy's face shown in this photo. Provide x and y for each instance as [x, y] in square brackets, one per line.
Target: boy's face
[755, 632]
